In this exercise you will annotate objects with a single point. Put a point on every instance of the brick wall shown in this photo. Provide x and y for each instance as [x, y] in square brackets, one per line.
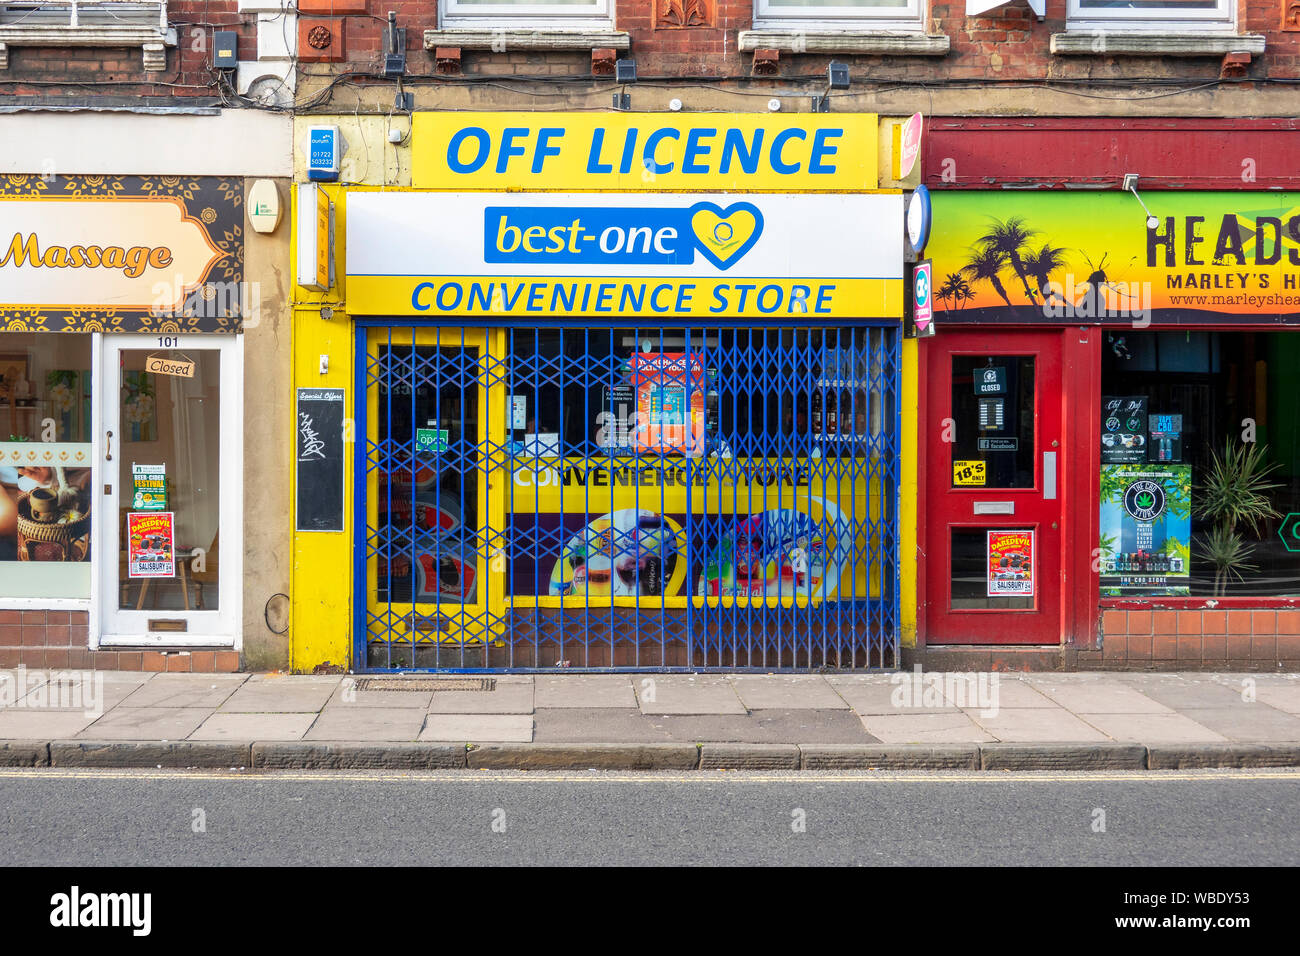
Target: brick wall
[1006, 46]
[60, 639]
[1234, 638]
[1009, 44]
[117, 75]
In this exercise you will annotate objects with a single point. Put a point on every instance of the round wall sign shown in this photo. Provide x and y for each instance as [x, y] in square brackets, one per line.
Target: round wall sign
[918, 219]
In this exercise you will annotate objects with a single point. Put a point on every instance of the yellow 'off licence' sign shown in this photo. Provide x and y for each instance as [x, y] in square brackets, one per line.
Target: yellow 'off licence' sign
[645, 152]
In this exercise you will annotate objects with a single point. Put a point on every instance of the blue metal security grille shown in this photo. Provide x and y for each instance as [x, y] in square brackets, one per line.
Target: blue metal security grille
[640, 498]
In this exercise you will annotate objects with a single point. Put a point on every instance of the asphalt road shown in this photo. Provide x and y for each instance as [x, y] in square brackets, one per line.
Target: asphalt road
[121, 818]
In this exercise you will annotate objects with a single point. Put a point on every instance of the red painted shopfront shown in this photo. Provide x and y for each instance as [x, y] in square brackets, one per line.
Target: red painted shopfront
[1105, 362]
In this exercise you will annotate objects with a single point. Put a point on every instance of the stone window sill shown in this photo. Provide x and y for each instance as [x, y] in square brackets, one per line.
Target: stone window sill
[151, 40]
[1109, 43]
[845, 42]
[525, 39]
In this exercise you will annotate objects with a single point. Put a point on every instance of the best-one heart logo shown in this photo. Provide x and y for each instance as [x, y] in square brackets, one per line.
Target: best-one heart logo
[724, 235]
[621, 235]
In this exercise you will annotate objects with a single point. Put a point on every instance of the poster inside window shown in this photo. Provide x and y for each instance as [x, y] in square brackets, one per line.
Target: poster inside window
[46, 488]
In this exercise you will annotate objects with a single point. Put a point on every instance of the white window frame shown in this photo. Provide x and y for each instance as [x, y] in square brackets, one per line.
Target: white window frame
[910, 18]
[1222, 19]
[480, 16]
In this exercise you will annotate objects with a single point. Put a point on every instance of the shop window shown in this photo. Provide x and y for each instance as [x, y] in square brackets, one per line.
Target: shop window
[845, 14]
[1184, 414]
[1151, 15]
[993, 420]
[605, 392]
[642, 478]
[559, 14]
[437, 495]
[989, 576]
[168, 454]
[46, 487]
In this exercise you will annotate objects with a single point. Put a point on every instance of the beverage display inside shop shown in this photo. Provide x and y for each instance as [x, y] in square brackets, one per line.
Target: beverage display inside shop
[45, 465]
[679, 393]
[660, 435]
[1200, 463]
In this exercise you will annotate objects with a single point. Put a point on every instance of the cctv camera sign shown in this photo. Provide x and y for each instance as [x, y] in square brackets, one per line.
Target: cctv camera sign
[601, 255]
[646, 152]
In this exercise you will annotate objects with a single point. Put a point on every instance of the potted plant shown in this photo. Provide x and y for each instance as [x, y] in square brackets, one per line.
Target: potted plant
[1234, 496]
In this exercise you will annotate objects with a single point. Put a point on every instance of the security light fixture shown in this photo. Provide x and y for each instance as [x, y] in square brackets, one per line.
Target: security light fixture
[837, 78]
[624, 72]
[1131, 185]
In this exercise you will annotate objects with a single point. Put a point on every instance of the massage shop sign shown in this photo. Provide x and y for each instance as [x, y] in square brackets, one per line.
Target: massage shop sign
[121, 254]
[708, 217]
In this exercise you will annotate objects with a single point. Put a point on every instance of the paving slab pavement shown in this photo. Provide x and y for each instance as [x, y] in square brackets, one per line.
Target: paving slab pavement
[1181, 691]
[478, 728]
[1153, 728]
[1012, 692]
[22, 724]
[806, 724]
[186, 690]
[614, 725]
[254, 727]
[512, 695]
[147, 723]
[925, 728]
[1036, 725]
[348, 694]
[276, 693]
[1280, 697]
[683, 694]
[1100, 697]
[1247, 722]
[73, 691]
[786, 691]
[583, 690]
[866, 697]
[1230, 718]
[366, 723]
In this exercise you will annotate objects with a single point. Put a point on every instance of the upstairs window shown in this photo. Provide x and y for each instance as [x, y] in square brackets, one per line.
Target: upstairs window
[555, 14]
[1153, 15]
[838, 14]
[88, 23]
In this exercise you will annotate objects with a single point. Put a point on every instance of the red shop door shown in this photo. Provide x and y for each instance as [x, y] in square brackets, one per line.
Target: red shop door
[993, 502]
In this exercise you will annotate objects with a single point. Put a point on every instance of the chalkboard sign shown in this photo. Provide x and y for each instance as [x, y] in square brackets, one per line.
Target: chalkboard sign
[320, 459]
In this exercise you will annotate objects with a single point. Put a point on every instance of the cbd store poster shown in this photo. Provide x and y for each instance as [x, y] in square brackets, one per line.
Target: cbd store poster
[1146, 528]
[625, 528]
